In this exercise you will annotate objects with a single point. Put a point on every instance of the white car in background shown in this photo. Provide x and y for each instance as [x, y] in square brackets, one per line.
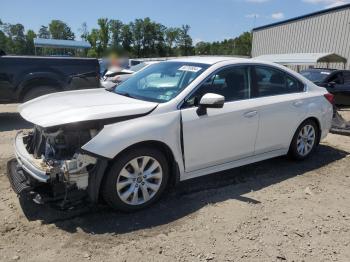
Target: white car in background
[114, 76]
[173, 121]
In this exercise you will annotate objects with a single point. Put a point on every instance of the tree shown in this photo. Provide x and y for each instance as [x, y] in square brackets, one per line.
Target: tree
[103, 33]
[60, 30]
[115, 28]
[16, 35]
[127, 37]
[3, 41]
[244, 44]
[203, 48]
[44, 32]
[139, 38]
[137, 33]
[30, 49]
[185, 41]
[93, 39]
[159, 47]
[171, 36]
[84, 32]
[240, 45]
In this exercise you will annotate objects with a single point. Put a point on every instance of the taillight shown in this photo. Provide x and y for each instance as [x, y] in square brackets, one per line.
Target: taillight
[330, 98]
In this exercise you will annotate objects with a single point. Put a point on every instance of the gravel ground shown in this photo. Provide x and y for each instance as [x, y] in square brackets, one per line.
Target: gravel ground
[276, 210]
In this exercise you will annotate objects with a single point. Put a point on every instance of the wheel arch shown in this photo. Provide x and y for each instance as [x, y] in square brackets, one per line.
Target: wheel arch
[164, 148]
[173, 165]
[317, 122]
[30, 84]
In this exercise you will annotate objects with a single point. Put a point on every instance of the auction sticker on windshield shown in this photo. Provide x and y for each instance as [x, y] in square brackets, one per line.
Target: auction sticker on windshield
[188, 68]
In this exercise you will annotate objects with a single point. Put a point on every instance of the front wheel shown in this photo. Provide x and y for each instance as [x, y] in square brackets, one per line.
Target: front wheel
[136, 180]
[304, 141]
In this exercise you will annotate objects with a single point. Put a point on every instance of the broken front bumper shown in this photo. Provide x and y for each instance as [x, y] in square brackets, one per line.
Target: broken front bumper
[61, 180]
[27, 162]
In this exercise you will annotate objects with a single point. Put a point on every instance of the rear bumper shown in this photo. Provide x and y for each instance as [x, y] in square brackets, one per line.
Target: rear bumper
[27, 161]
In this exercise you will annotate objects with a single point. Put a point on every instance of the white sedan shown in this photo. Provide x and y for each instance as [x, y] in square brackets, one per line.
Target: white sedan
[173, 121]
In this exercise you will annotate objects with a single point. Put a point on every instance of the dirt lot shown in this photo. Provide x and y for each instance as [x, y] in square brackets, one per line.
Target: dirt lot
[277, 210]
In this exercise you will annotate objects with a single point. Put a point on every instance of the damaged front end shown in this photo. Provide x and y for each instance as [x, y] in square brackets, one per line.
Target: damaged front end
[52, 166]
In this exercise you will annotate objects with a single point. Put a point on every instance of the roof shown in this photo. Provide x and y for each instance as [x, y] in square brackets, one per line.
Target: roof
[58, 43]
[48, 57]
[210, 60]
[303, 17]
[302, 58]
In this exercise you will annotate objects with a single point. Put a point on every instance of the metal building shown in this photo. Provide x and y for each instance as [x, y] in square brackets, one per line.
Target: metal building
[326, 31]
[59, 44]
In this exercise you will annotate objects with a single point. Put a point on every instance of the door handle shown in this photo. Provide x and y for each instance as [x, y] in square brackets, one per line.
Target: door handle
[297, 103]
[250, 114]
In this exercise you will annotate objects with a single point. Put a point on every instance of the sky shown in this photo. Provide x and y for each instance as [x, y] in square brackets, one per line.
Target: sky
[210, 20]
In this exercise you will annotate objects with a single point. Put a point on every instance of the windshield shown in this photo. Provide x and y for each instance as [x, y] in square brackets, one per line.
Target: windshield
[161, 82]
[316, 76]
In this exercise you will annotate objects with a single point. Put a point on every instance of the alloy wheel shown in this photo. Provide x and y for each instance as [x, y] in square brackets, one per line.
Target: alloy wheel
[139, 180]
[306, 140]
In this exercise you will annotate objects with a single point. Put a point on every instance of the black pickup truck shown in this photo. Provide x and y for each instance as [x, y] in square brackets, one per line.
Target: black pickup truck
[23, 78]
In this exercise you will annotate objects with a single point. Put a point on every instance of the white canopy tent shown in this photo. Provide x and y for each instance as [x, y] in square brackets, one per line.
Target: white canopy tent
[298, 59]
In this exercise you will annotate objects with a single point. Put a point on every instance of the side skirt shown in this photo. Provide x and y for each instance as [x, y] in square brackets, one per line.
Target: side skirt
[233, 164]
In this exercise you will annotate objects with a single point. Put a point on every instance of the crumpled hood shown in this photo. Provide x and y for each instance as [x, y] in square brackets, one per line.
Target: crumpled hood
[83, 105]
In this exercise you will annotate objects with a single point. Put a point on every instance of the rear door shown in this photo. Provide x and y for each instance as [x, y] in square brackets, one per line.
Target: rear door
[281, 107]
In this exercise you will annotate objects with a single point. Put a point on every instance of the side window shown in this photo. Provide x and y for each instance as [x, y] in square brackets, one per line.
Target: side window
[337, 78]
[268, 81]
[346, 77]
[293, 85]
[232, 83]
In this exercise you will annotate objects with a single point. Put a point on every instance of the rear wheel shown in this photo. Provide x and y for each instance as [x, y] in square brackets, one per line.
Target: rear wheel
[38, 91]
[136, 180]
[304, 141]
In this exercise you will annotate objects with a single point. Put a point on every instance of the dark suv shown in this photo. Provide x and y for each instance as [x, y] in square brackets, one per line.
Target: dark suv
[337, 82]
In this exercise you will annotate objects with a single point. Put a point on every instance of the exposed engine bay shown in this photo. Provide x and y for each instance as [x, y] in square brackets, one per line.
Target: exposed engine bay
[58, 151]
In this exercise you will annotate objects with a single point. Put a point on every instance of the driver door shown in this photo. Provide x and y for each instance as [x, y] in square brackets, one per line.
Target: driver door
[222, 135]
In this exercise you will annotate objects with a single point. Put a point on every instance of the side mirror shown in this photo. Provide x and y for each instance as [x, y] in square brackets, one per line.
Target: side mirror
[210, 100]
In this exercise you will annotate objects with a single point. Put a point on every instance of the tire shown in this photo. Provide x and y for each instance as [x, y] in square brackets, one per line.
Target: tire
[38, 91]
[305, 140]
[125, 191]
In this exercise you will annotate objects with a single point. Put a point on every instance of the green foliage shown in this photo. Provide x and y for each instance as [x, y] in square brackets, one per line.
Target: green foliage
[60, 30]
[185, 41]
[103, 32]
[172, 36]
[241, 45]
[115, 28]
[44, 32]
[30, 42]
[139, 38]
[84, 31]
